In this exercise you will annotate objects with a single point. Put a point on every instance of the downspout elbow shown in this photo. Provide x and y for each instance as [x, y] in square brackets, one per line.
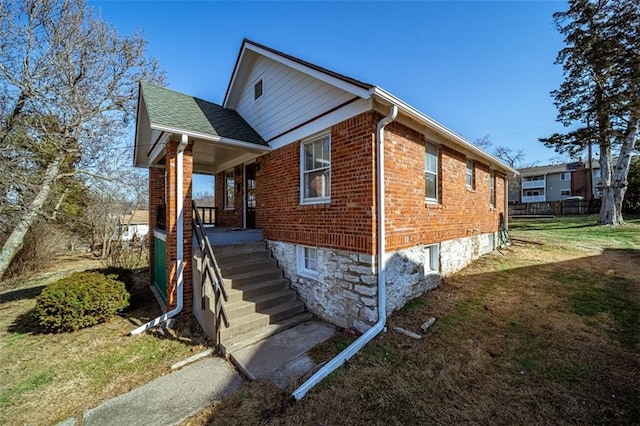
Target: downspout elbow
[179, 242]
[355, 347]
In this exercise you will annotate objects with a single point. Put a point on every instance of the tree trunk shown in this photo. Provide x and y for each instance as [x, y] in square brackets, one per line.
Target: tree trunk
[13, 244]
[615, 187]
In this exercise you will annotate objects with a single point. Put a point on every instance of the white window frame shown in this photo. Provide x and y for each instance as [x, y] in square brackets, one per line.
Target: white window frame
[565, 176]
[492, 188]
[434, 173]
[470, 172]
[226, 190]
[565, 192]
[302, 253]
[433, 265]
[324, 199]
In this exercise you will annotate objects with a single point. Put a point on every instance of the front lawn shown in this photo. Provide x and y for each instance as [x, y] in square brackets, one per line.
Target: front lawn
[47, 378]
[546, 332]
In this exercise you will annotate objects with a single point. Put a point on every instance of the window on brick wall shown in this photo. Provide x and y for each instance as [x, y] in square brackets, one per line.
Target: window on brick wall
[471, 178]
[432, 262]
[431, 173]
[315, 179]
[492, 188]
[229, 190]
[307, 260]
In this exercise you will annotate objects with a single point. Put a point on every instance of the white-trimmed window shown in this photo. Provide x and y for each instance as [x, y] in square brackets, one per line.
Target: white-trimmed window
[492, 188]
[229, 190]
[470, 175]
[315, 171]
[432, 262]
[307, 259]
[565, 176]
[565, 192]
[431, 172]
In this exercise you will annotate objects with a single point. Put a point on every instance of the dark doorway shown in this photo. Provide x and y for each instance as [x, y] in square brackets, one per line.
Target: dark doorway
[250, 194]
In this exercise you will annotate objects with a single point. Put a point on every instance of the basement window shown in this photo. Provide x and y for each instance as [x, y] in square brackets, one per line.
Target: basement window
[432, 261]
[307, 259]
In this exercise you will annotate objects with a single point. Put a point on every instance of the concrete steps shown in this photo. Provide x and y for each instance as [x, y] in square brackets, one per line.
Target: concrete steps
[261, 302]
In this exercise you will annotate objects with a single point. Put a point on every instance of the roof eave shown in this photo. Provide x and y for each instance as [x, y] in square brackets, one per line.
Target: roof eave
[213, 138]
[412, 112]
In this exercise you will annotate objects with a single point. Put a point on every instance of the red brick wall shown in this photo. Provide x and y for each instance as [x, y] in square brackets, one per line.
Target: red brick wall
[348, 222]
[171, 221]
[232, 217]
[461, 211]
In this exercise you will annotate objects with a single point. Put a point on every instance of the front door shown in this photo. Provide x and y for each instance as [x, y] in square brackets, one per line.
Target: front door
[250, 194]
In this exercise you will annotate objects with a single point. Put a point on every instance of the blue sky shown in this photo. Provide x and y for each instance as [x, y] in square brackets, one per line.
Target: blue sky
[477, 67]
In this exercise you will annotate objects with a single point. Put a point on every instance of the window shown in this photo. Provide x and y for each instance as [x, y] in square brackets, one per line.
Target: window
[432, 263]
[307, 261]
[229, 190]
[257, 90]
[565, 192]
[431, 173]
[565, 176]
[470, 175]
[316, 171]
[492, 188]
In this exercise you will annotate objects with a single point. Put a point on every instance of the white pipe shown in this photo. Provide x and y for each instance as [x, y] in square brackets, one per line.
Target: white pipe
[179, 241]
[352, 349]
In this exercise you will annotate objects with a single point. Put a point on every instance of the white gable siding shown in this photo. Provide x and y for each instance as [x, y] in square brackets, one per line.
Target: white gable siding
[289, 98]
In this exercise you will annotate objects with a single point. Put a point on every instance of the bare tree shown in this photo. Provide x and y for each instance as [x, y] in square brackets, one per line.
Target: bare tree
[483, 142]
[68, 86]
[512, 157]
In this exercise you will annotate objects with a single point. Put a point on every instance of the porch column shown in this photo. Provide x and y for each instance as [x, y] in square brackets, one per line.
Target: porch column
[156, 199]
[172, 220]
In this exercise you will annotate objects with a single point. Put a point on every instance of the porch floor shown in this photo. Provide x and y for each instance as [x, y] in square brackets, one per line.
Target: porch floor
[226, 235]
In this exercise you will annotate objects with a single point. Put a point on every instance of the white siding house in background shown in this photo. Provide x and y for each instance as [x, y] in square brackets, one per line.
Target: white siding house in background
[134, 225]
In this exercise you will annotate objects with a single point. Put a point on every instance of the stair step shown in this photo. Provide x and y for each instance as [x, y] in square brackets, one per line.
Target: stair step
[247, 265]
[252, 290]
[257, 303]
[242, 341]
[251, 277]
[257, 320]
[241, 250]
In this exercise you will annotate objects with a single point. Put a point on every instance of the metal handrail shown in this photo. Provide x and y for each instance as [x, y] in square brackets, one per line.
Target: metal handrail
[208, 263]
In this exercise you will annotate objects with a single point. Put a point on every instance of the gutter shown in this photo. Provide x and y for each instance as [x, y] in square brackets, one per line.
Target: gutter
[179, 242]
[379, 326]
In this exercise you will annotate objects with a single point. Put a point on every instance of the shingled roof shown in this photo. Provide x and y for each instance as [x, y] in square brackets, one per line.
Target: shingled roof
[180, 112]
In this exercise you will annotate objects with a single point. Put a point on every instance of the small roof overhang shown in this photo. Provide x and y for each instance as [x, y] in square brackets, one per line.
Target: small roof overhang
[221, 137]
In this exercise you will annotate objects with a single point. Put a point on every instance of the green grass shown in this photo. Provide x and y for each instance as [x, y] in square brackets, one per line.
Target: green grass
[28, 384]
[578, 229]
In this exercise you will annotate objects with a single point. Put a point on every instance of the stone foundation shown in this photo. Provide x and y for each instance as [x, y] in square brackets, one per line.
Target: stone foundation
[345, 292]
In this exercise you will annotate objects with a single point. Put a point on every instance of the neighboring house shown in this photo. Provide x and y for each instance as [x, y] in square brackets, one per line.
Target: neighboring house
[556, 182]
[134, 225]
[335, 174]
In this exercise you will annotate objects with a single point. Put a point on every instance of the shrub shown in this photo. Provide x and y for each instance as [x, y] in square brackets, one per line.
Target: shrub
[121, 274]
[80, 300]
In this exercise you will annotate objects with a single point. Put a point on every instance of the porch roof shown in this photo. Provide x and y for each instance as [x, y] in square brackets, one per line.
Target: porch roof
[183, 113]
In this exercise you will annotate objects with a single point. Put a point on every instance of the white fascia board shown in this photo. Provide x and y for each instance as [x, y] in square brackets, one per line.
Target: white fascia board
[341, 84]
[236, 71]
[219, 139]
[323, 123]
[158, 150]
[136, 141]
[429, 122]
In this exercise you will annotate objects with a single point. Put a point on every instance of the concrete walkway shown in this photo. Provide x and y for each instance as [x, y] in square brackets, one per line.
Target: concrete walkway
[170, 399]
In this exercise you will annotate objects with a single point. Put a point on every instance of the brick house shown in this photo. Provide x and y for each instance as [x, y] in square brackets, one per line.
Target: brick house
[325, 174]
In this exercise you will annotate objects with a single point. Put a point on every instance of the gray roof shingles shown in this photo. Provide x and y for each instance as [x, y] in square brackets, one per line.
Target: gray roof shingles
[178, 111]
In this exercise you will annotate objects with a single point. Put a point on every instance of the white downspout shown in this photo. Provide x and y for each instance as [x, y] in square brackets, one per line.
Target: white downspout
[179, 241]
[352, 349]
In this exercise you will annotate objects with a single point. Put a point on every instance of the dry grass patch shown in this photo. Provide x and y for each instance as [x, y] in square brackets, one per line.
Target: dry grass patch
[546, 334]
[49, 377]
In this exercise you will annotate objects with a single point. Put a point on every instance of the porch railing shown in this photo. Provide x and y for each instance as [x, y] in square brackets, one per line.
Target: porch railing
[210, 274]
[208, 215]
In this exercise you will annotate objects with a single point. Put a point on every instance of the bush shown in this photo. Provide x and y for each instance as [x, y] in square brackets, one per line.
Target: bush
[80, 300]
[121, 274]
